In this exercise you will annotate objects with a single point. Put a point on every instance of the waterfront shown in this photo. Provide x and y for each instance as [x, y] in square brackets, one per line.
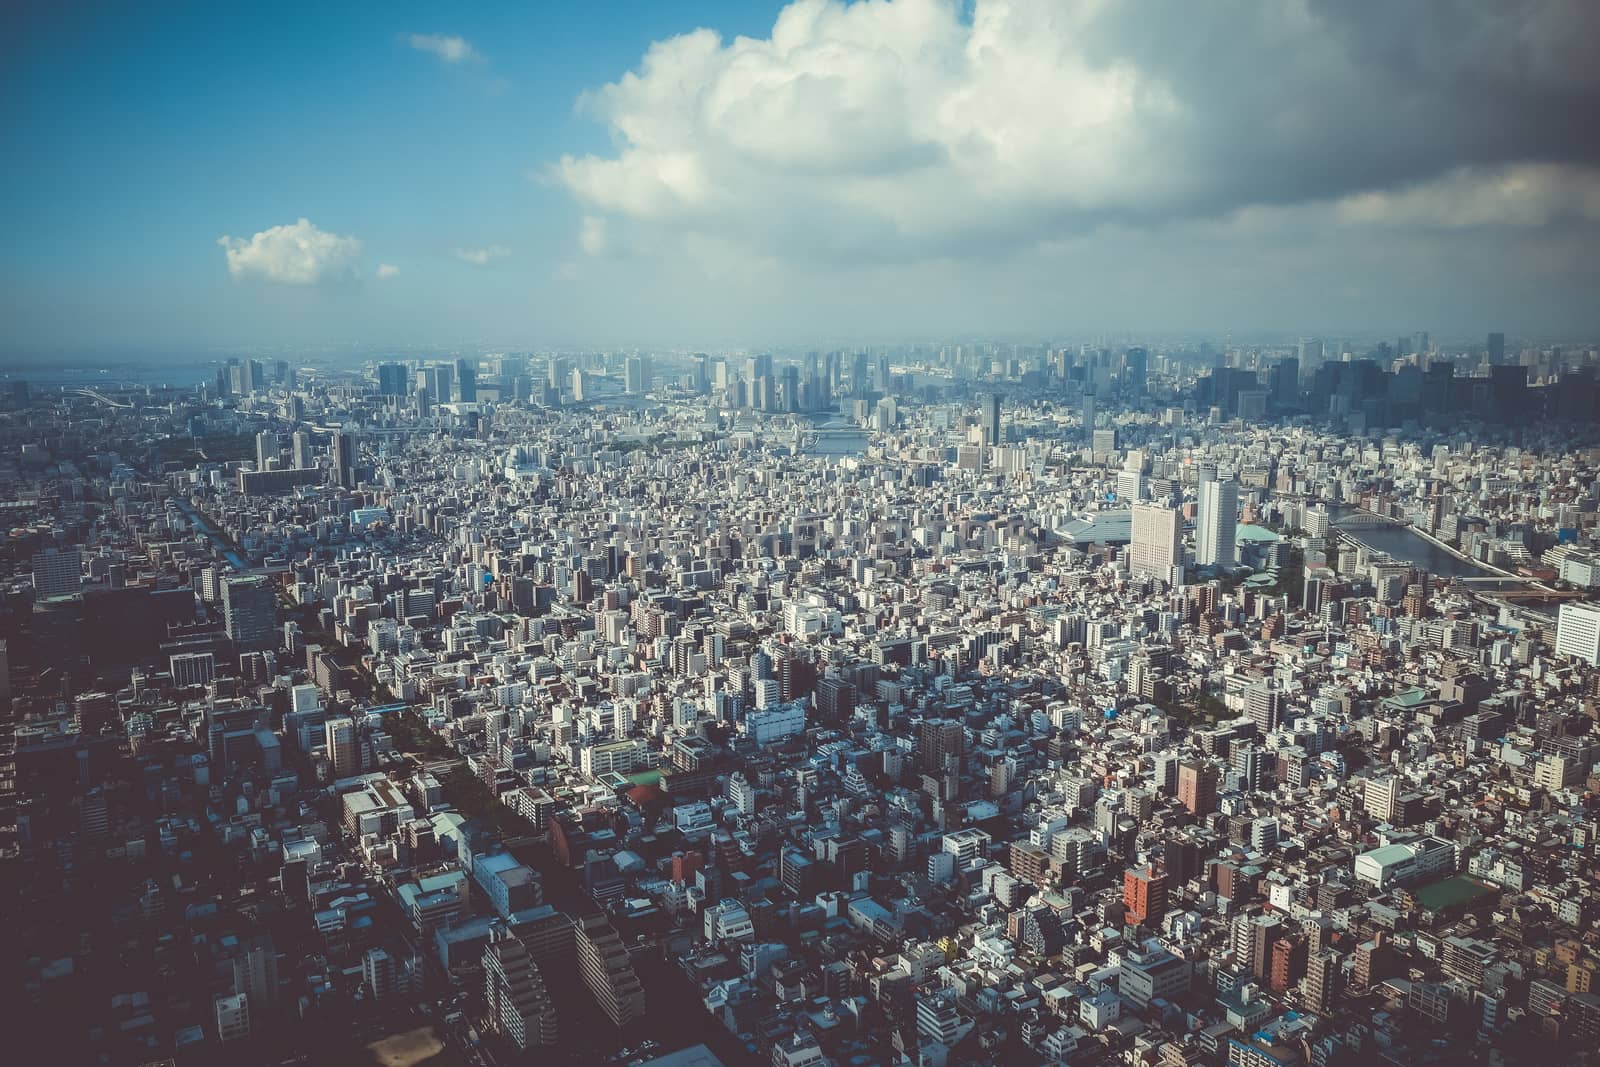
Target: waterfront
[1404, 543]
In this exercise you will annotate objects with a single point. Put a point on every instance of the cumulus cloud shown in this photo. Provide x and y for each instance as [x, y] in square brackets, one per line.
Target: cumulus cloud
[479, 257]
[387, 270]
[295, 254]
[896, 130]
[447, 48]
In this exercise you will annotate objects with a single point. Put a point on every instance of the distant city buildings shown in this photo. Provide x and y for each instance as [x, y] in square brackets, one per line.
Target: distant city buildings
[861, 697]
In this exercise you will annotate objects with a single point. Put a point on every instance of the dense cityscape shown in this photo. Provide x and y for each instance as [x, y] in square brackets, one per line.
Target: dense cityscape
[1168, 704]
[800, 533]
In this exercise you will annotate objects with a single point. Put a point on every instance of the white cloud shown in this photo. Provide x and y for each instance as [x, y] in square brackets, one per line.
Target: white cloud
[479, 257]
[447, 48]
[295, 254]
[898, 130]
[387, 270]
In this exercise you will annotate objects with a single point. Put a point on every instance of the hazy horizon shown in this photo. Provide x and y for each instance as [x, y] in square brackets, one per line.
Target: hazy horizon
[189, 179]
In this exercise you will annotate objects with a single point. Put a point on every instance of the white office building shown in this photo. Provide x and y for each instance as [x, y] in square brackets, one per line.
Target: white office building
[1217, 524]
[1578, 632]
[1156, 548]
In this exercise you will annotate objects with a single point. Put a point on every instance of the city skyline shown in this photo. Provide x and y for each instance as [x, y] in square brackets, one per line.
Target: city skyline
[195, 178]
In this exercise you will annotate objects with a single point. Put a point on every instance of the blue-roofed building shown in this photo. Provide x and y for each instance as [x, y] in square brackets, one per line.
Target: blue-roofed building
[509, 885]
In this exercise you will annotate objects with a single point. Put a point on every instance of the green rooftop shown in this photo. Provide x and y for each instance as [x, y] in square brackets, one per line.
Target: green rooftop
[1407, 698]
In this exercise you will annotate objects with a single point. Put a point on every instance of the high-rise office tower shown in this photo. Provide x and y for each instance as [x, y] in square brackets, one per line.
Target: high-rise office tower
[466, 381]
[1497, 348]
[991, 419]
[249, 611]
[344, 459]
[300, 450]
[57, 572]
[1309, 353]
[1136, 371]
[1156, 549]
[267, 446]
[1286, 393]
[560, 373]
[394, 379]
[633, 376]
[1217, 524]
[1086, 411]
[858, 374]
[791, 388]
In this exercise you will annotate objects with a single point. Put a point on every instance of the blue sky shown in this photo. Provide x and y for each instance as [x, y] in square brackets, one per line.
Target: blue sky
[145, 132]
[882, 169]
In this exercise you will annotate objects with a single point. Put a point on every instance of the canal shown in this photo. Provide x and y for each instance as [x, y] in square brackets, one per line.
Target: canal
[207, 527]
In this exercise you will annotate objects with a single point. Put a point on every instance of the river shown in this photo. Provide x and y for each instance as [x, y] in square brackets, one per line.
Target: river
[1403, 543]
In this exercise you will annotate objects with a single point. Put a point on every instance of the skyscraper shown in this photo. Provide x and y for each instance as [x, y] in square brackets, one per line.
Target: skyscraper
[249, 611]
[991, 419]
[1136, 371]
[1309, 354]
[1086, 411]
[300, 450]
[1156, 549]
[633, 376]
[1286, 393]
[1497, 348]
[267, 446]
[466, 381]
[394, 379]
[344, 459]
[1217, 524]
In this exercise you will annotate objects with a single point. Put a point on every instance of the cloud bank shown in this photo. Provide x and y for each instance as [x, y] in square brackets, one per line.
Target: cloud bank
[895, 131]
[295, 254]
